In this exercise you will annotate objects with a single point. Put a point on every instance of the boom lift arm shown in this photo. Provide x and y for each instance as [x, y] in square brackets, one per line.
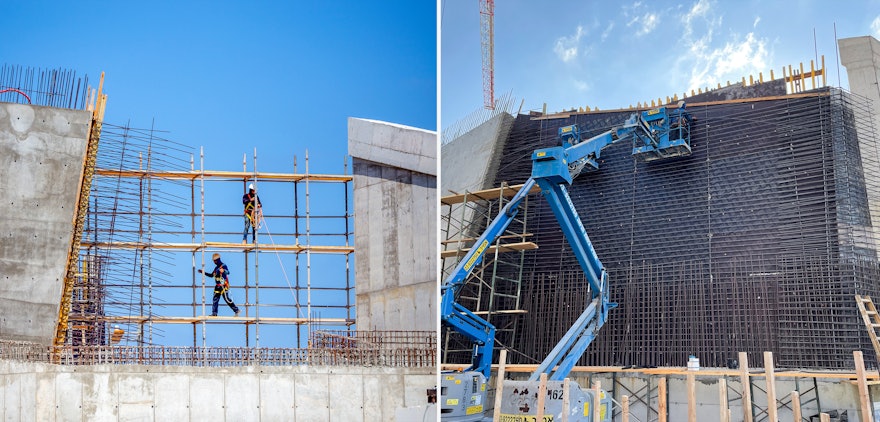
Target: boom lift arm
[656, 134]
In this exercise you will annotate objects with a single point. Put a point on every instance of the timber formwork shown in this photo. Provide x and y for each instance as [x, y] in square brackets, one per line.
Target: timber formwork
[755, 242]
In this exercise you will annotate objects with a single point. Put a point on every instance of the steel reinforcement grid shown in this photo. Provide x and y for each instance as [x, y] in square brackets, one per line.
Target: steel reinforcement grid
[755, 242]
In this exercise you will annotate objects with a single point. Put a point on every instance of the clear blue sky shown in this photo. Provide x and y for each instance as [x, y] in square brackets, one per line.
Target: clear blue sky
[279, 76]
[613, 54]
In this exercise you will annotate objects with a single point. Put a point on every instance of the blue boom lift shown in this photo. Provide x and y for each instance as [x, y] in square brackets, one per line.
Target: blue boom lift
[656, 134]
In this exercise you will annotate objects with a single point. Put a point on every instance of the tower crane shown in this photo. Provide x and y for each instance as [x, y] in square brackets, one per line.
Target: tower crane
[487, 47]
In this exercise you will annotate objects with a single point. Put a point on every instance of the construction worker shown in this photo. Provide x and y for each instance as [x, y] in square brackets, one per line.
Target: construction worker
[221, 284]
[252, 213]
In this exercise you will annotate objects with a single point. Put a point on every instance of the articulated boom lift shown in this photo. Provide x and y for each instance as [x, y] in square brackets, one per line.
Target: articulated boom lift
[656, 134]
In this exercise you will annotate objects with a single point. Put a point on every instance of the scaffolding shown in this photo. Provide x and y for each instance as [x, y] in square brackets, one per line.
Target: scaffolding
[151, 211]
[756, 242]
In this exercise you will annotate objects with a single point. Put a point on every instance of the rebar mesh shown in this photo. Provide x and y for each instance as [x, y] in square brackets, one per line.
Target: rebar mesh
[755, 242]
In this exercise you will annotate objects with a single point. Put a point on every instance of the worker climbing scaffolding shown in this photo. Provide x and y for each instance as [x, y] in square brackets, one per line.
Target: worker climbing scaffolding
[253, 213]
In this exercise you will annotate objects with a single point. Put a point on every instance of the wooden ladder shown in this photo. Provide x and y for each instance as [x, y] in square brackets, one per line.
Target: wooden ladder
[871, 318]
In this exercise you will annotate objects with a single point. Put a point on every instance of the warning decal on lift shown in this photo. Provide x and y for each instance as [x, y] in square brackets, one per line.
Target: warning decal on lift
[525, 418]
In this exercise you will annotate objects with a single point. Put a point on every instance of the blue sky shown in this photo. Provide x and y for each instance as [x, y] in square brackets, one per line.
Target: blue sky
[279, 76]
[613, 54]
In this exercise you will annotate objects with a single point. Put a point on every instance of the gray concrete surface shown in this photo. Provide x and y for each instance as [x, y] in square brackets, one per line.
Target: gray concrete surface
[45, 392]
[469, 162]
[861, 57]
[395, 206]
[41, 163]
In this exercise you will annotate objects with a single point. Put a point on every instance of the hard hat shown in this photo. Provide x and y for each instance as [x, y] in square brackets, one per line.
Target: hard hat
[251, 186]
[215, 256]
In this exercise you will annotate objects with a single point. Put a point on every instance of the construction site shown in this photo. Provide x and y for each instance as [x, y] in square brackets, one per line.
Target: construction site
[107, 231]
[716, 264]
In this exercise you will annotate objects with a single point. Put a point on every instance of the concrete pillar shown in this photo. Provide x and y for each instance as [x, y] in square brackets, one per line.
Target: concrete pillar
[861, 57]
[395, 207]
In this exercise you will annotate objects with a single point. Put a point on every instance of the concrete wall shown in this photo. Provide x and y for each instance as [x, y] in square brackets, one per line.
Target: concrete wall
[44, 392]
[395, 205]
[861, 57]
[469, 162]
[41, 163]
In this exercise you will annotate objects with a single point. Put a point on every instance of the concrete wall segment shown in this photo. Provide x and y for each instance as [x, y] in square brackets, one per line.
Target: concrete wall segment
[393, 145]
[41, 156]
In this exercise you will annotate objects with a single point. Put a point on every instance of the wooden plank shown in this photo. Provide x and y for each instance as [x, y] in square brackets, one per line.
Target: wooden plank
[771, 387]
[506, 247]
[823, 417]
[567, 114]
[198, 319]
[661, 400]
[499, 385]
[193, 247]
[542, 395]
[597, 401]
[503, 311]
[624, 406]
[836, 375]
[692, 397]
[796, 406]
[864, 398]
[746, 383]
[722, 399]
[473, 239]
[227, 175]
[566, 398]
[486, 194]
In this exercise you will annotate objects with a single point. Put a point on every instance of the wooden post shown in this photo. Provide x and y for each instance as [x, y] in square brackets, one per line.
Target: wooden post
[746, 385]
[542, 394]
[661, 400]
[864, 398]
[499, 385]
[796, 406]
[566, 399]
[823, 417]
[597, 402]
[771, 387]
[624, 406]
[722, 399]
[692, 397]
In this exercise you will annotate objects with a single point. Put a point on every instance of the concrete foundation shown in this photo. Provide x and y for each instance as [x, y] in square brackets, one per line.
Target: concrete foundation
[395, 197]
[45, 392]
[41, 163]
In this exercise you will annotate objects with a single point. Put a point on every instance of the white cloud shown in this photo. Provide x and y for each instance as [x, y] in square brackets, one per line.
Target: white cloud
[711, 61]
[566, 48]
[581, 85]
[875, 27]
[757, 19]
[644, 20]
[607, 31]
[700, 9]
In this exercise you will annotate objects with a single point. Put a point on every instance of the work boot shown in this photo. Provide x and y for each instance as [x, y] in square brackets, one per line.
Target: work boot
[213, 314]
[236, 312]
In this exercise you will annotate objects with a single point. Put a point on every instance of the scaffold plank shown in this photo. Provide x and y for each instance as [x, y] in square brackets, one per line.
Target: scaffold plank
[507, 247]
[198, 319]
[228, 175]
[193, 247]
[486, 194]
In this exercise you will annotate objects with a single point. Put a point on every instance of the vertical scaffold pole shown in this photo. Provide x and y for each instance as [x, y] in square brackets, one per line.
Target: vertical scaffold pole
[202, 228]
[256, 265]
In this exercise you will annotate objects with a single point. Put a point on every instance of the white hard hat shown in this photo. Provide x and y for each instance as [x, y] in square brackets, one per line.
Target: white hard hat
[251, 186]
